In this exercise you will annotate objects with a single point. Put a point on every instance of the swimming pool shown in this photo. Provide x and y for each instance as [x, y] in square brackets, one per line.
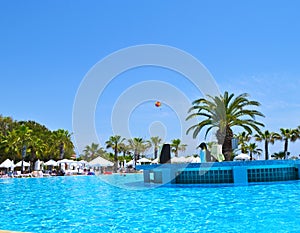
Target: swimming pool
[88, 204]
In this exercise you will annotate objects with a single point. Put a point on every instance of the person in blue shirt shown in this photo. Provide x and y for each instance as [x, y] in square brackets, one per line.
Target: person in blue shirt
[203, 151]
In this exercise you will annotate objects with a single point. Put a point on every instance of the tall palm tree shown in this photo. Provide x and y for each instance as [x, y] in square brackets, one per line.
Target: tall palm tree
[268, 137]
[40, 142]
[243, 139]
[223, 113]
[37, 148]
[62, 143]
[253, 149]
[124, 149]
[155, 142]
[16, 139]
[138, 146]
[93, 151]
[288, 135]
[114, 143]
[176, 146]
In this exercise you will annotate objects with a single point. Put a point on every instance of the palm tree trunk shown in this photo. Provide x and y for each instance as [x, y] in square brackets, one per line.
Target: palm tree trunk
[266, 150]
[155, 153]
[227, 144]
[227, 148]
[135, 157]
[251, 156]
[286, 141]
[116, 159]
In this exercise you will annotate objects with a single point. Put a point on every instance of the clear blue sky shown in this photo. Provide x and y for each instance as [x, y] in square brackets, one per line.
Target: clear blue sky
[47, 47]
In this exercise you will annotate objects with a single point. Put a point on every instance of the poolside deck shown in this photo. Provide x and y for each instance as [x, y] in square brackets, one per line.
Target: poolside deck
[3, 231]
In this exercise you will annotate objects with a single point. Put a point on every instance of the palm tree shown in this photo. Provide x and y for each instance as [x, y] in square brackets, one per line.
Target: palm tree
[268, 137]
[93, 151]
[279, 155]
[253, 149]
[243, 138]
[155, 142]
[124, 149]
[37, 147]
[62, 143]
[40, 142]
[138, 146]
[16, 139]
[114, 143]
[288, 135]
[223, 113]
[176, 146]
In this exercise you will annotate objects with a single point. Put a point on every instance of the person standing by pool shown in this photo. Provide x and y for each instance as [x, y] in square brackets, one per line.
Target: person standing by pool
[216, 152]
[203, 151]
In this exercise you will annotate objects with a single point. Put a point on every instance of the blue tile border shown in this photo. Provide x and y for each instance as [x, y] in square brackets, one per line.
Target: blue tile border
[238, 173]
[222, 164]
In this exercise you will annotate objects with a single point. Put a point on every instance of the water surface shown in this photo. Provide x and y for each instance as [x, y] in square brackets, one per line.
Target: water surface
[90, 204]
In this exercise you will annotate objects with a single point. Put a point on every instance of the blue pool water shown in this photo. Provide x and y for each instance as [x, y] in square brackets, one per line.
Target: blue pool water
[88, 204]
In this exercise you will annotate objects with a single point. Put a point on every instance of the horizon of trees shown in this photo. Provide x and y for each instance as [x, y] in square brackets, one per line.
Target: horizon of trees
[43, 144]
[33, 141]
[227, 111]
[221, 112]
[128, 149]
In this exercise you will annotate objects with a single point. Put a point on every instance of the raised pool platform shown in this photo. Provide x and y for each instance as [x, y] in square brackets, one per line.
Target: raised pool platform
[237, 172]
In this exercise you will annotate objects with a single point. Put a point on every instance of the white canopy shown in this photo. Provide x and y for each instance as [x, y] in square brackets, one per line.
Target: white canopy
[38, 164]
[179, 160]
[82, 162]
[25, 164]
[144, 160]
[130, 163]
[155, 161]
[100, 162]
[195, 160]
[65, 161]
[7, 164]
[51, 162]
[242, 157]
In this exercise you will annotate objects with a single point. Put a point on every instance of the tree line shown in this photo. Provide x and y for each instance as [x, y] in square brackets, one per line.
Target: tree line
[268, 137]
[221, 113]
[128, 149]
[225, 112]
[32, 141]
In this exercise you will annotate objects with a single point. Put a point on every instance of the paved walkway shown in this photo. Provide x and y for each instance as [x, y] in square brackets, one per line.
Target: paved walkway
[1, 231]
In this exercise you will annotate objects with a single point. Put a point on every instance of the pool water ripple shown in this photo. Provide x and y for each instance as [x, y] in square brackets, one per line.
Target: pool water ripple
[91, 204]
